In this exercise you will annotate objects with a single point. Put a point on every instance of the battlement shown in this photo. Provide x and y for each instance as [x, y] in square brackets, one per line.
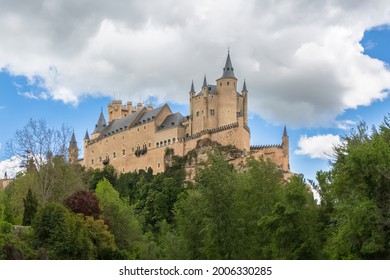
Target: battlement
[208, 131]
[262, 147]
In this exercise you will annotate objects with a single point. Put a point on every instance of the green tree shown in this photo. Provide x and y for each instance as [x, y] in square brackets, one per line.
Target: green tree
[62, 234]
[30, 208]
[359, 192]
[120, 217]
[293, 226]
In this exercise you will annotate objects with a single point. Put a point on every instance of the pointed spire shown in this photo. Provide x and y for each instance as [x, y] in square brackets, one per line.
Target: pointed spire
[228, 70]
[192, 87]
[285, 131]
[73, 143]
[101, 124]
[86, 137]
[244, 87]
[204, 81]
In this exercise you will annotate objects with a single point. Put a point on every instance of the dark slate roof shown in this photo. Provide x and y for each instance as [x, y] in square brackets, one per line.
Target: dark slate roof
[121, 124]
[73, 143]
[244, 87]
[86, 137]
[101, 124]
[228, 71]
[192, 87]
[171, 121]
[212, 89]
[149, 116]
[204, 81]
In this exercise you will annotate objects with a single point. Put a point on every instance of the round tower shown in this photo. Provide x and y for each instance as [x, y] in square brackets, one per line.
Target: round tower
[227, 91]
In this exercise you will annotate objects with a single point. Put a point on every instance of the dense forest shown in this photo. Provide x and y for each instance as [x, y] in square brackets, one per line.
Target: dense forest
[57, 210]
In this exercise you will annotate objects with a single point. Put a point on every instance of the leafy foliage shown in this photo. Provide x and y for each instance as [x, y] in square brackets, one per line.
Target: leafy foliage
[84, 202]
[30, 208]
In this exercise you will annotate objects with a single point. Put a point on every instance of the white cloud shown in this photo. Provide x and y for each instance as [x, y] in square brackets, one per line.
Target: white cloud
[28, 95]
[318, 146]
[11, 166]
[345, 124]
[302, 60]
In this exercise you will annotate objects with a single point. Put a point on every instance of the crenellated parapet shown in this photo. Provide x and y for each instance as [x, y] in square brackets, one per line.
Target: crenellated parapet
[262, 147]
[208, 131]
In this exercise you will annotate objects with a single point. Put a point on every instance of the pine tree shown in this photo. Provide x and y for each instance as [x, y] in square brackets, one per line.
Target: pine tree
[30, 208]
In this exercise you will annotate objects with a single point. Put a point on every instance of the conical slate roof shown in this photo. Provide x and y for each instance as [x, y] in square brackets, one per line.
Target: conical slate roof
[192, 87]
[285, 131]
[228, 71]
[204, 81]
[244, 87]
[101, 124]
[73, 143]
[86, 137]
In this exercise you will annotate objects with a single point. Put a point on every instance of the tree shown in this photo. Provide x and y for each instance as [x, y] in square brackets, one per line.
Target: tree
[30, 208]
[120, 216]
[62, 234]
[359, 192]
[84, 202]
[293, 226]
[39, 143]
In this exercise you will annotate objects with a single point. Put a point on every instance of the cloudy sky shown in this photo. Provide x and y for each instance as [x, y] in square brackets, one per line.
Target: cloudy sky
[320, 67]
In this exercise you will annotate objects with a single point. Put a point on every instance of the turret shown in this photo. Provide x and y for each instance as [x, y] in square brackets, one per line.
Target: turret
[205, 88]
[227, 95]
[244, 93]
[86, 139]
[73, 150]
[99, 127]
[286, 147]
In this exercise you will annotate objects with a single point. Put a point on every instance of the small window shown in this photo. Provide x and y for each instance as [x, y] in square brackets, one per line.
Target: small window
[227, 83]
[157, 145]
[114, 154]
[165, 142]
[158, 164]
[169, 141]
[92, 161]
[197, 114]
[172, 123]
[173, 140]
[100, 159]
[123, 152]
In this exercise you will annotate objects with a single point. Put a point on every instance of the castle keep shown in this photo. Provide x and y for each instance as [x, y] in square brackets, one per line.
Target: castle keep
[136, 137]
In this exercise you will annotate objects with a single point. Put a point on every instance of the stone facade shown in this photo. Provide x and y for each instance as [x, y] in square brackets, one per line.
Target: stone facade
[136, 137]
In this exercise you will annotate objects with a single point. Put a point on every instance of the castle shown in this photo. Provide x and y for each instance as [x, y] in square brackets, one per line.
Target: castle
[136, 137]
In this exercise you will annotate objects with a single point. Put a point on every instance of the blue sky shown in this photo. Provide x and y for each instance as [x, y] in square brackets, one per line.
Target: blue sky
[319, 69]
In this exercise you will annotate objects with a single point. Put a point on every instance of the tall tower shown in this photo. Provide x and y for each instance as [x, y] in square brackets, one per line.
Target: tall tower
[73, 150]
[244, 93]
[227, 90]
[286, 147]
